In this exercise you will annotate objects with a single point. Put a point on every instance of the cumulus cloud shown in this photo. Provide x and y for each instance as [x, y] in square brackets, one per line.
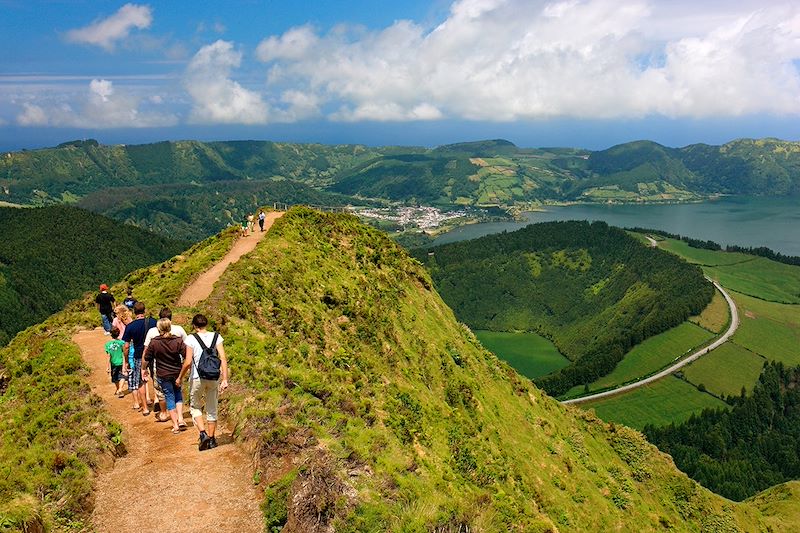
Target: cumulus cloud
[106, 32]
[529, 59]
[102, 107]
[216, 97]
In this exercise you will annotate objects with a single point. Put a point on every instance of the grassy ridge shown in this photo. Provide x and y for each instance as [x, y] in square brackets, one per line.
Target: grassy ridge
[370, 408]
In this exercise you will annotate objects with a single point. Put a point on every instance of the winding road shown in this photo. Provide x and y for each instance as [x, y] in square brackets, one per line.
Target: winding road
[680, 364]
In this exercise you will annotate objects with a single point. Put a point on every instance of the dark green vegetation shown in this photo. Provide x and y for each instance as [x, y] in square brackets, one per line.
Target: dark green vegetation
[369, 409]
[592, 289]
[228, 179]
[53, 254]
[530, 354]
[752, 446]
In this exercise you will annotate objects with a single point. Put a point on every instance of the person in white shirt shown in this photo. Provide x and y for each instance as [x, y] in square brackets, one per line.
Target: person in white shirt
[176, 331]
[204, 391]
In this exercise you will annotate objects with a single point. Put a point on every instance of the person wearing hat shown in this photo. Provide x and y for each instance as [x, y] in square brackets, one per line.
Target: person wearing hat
[105, 305]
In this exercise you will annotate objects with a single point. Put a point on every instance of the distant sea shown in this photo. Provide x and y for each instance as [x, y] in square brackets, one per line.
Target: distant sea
[745, 221]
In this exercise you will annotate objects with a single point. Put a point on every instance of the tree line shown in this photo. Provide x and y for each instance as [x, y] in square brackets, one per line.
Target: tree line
[744, 450]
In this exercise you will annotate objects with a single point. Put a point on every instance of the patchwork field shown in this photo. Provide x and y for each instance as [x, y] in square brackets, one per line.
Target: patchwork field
[726, 370]
[769, 329]
[530, 354]
[663, 402]
[651, 355]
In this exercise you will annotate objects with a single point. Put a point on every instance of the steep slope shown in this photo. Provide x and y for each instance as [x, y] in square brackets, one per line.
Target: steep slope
[369, 408]
[53, 254]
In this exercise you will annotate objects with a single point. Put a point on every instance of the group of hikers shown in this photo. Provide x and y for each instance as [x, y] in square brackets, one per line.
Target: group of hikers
[156, 355]
[249, 225]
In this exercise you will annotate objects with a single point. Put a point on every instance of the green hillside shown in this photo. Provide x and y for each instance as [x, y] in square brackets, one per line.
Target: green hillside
[367, 407]
[51, 255]
[593, 289]
[479, 173]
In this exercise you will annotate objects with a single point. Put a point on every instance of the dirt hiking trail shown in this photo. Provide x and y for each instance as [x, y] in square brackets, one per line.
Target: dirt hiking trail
[164, 483]
[201, 288]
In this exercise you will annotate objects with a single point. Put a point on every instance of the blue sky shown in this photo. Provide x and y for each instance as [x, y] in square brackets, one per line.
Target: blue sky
[588, 73]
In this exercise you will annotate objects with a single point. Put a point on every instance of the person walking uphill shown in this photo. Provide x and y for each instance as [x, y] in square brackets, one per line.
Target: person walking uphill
[134, 335]
[204, 352]
[168, 351]
[105, 305]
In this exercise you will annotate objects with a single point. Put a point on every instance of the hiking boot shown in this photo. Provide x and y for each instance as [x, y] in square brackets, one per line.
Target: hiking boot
[212, 442]
[205, 441]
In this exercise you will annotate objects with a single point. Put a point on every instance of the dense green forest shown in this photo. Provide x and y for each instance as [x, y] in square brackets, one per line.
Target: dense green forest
[51, 255]
[195, 211]
[592, 289]
[741, 451]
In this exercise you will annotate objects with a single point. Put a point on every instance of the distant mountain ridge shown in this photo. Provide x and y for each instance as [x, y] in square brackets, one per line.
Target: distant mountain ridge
[479, 173]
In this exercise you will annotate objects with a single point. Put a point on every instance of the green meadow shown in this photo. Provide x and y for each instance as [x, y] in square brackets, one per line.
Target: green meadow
[769, 329]
[701, 256]
[651, 355]
[724, 371]
[663, 402]
[530, 354]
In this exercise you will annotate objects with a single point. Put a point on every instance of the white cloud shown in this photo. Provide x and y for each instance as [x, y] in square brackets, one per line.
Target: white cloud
[102, 107]
[528, 59]
[216, 97]
[106, 32]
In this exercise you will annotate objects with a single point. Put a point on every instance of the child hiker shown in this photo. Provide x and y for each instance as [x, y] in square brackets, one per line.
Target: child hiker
[114, 349]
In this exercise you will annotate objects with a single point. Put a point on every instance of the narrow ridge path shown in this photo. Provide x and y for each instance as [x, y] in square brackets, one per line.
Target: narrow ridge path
[201, 288]
[164, 483]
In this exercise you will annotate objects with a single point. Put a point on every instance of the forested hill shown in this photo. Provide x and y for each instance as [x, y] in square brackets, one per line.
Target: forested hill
[365, 404]
[748, 448]
[51, 255]
[591, 288]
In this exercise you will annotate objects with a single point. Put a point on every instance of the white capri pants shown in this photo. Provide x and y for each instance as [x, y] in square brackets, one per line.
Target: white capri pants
[204, 389]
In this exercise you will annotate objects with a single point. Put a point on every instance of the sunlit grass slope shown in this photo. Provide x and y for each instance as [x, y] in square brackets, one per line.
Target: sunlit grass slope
[371, 409]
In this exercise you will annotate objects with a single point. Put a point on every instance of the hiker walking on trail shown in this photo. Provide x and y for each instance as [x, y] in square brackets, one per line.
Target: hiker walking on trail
[122, 319]
[168, 351]
[129, 300]
[261, 218]
[135, 334]
[114, 349]
[152, 333]
[206, 361]
[250, 223]
[105, 305]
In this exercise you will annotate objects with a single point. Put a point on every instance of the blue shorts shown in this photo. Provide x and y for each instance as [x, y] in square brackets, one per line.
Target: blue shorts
[172, 392]
[116, 374]
[135, 375]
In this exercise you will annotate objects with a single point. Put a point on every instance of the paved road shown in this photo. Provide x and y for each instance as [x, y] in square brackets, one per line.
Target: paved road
[667, 371]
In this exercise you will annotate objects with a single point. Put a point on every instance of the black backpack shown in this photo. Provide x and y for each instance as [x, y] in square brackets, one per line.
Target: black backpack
[208, 367]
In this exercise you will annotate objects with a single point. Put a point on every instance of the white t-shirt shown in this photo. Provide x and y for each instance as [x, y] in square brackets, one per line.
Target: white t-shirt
[152, 333]
[191, 342]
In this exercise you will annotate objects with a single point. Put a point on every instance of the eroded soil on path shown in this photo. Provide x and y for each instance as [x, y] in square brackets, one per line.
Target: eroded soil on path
[164, 483]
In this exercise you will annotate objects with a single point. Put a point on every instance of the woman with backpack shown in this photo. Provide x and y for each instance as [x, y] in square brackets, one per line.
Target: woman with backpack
[205, 359]
[168, 351]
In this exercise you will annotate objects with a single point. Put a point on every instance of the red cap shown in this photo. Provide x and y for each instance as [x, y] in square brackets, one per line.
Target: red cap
[103, 287]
